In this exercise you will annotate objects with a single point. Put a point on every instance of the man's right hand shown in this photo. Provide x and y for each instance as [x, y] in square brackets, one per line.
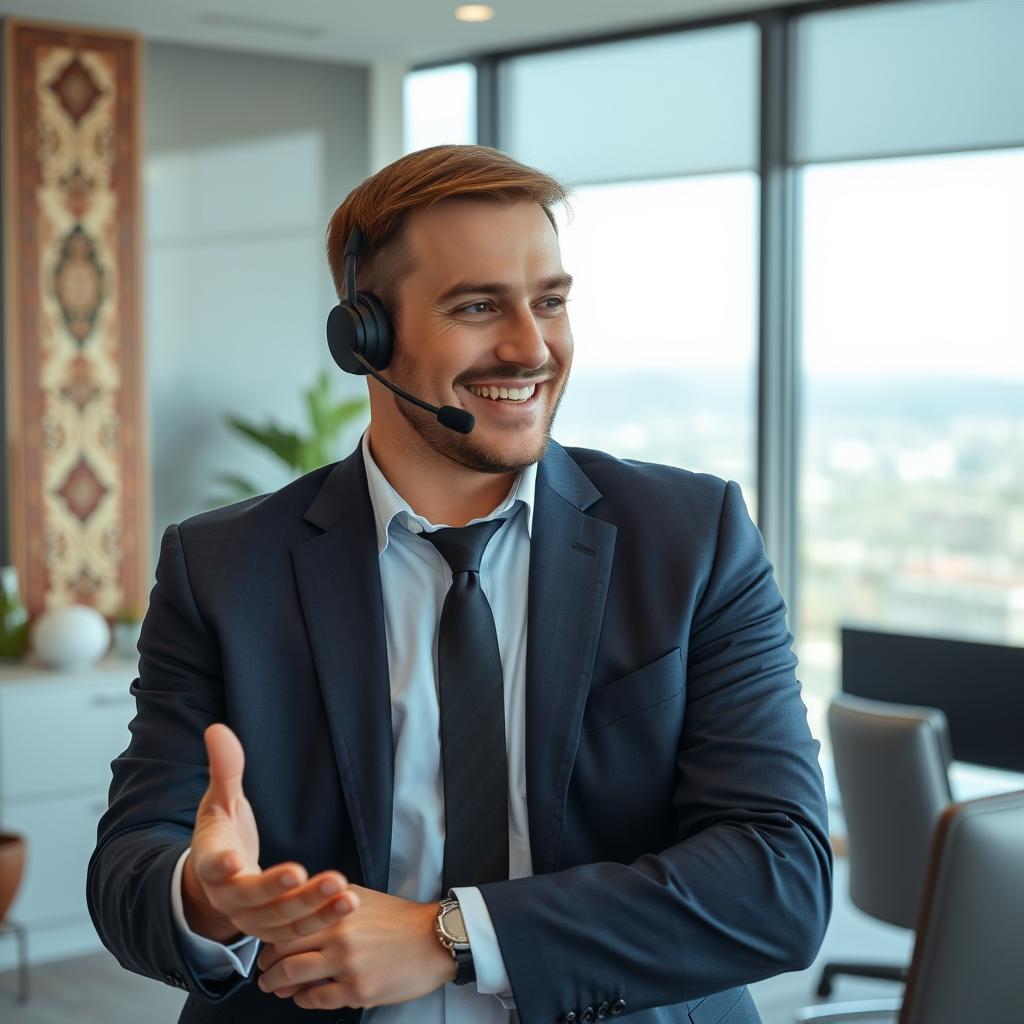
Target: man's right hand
[225, 893]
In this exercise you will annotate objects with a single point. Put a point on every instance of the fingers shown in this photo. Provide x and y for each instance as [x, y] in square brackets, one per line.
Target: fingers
[321, 918]
[297, 970]
[328, 996]
[241, 895]
[287, 993]
[308, 913]
[304, 934]
[337, 997]
[227, 762]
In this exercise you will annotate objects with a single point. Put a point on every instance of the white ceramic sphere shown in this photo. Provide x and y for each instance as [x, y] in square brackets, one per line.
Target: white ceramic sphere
[71, 638]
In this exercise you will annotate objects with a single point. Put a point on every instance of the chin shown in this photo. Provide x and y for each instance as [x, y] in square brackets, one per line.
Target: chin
[498, 453]
[512, 455]
[490, 450]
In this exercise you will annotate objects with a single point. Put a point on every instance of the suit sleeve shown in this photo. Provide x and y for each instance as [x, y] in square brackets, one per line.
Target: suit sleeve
[157, 784]
[210, 960]
[745, 892]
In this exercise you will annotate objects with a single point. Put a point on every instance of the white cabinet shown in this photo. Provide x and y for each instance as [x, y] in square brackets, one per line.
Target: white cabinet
[59, 731]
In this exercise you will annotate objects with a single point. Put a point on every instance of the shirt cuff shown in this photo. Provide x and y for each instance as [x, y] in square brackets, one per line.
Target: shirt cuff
[209, 960]
[491, 976]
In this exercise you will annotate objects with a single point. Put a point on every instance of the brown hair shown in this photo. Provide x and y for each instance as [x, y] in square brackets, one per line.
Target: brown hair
[380, 206]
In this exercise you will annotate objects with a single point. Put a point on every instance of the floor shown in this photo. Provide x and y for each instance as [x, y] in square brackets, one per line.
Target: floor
[95, 989]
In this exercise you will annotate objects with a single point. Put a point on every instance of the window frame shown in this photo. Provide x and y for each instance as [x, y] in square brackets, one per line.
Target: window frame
[779, 370]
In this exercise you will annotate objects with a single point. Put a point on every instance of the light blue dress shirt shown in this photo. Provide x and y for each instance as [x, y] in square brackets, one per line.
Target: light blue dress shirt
[414, 581]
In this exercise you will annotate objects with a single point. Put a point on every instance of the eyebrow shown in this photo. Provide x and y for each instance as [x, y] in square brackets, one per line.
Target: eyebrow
[497, 288]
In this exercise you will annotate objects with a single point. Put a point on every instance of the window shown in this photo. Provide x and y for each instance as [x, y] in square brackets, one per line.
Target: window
[440, 106]
[912, 485]
[907, 124]
[664, 320]
[657, 137]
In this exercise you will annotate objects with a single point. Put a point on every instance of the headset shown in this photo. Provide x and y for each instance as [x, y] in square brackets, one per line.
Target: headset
[361, 339]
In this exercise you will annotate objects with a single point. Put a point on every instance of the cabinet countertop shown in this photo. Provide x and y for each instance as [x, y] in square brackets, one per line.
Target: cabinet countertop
[29, 673]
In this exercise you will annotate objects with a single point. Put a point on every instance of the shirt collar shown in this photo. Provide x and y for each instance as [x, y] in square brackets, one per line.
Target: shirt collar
[388, 503]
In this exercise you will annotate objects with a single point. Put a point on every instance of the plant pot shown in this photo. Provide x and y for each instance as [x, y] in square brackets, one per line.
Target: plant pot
[12, 866]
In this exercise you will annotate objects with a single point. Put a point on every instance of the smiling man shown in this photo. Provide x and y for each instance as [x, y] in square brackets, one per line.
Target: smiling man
[467, 727]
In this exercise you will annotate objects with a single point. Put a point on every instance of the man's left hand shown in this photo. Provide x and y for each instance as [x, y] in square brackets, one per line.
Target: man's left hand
[385, 951]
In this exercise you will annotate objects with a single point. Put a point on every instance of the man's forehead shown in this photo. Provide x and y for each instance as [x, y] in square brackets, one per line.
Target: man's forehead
[474, 238]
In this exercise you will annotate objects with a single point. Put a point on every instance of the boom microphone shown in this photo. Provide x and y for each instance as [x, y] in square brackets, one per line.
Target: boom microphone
[447, 415]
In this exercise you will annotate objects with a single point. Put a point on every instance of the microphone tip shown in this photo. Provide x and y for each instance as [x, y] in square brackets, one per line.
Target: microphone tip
[456, 419]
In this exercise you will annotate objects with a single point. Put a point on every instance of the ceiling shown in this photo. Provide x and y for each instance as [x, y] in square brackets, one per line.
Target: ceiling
[363, 31]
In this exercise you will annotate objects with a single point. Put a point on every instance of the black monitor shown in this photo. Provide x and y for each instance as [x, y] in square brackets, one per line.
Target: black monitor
[980, 687]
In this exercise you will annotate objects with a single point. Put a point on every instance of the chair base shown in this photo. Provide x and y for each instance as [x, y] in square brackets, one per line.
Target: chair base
[881, 972]
[862, 1009]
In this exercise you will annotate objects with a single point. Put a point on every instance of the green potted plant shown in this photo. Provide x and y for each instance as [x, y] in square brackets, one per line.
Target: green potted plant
[300, 452]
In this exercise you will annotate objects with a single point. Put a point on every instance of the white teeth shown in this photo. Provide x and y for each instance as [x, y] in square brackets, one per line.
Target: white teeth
[509, 394]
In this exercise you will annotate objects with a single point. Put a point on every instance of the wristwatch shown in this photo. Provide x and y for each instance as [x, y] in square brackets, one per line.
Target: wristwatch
[451, 932]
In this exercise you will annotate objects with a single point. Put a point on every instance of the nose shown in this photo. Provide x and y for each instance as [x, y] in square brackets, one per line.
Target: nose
[522, 340]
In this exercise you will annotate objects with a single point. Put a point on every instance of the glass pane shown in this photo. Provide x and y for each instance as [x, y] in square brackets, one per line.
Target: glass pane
[894, 78]
[663, 316]
[660, 106]
[440, 106]
[912, 465]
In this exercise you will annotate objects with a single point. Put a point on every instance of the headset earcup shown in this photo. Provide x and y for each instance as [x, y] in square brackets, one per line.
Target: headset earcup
[345, 334]
[377, 330]
[364, 328]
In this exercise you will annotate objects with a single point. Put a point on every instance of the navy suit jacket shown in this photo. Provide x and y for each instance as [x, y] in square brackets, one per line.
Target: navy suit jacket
[677, 816]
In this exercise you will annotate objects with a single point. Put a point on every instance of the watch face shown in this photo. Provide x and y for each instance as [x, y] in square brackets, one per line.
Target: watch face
[455, 926]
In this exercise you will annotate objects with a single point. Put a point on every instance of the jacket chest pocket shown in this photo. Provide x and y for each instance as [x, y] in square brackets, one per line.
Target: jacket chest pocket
[653, 684]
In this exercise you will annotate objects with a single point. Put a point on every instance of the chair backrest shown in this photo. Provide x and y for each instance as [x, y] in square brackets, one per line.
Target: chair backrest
[892, 766]
[968, 960]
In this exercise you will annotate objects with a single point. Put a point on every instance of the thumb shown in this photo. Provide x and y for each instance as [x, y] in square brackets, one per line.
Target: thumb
[227, 761]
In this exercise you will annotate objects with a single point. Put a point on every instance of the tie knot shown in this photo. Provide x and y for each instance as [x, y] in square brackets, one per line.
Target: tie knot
[462, 547]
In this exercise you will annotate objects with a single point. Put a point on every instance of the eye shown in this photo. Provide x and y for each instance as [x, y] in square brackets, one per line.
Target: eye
[553, 303]
[475, 308]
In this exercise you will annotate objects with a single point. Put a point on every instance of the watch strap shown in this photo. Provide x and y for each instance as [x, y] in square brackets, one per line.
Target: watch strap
[465, 972]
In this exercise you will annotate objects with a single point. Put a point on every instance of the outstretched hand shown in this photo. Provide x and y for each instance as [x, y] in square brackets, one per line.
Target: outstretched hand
[226, 895]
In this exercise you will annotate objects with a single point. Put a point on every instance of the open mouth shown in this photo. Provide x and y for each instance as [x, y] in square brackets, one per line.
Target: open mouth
[508, 395]
[504, 398]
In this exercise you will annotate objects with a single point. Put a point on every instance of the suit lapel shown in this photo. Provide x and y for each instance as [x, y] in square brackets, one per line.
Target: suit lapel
[570, 566]
[339, 587]
[338, 578]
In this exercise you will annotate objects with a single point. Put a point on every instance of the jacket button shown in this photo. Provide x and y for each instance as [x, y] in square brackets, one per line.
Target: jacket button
[569, 1017]
[602, 1010]
[587, 1016]
[618, 1006]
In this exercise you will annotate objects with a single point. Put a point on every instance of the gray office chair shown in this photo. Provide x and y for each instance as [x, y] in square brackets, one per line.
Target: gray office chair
[892, 766]
[968, 954]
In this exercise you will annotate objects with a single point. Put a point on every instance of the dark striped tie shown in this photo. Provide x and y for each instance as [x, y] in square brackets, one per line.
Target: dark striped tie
[473, 758]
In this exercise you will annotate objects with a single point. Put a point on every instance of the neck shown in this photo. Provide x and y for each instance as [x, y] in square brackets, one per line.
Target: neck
[435, 487]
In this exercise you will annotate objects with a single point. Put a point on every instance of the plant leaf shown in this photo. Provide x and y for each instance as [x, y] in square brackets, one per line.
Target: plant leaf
[285, 444]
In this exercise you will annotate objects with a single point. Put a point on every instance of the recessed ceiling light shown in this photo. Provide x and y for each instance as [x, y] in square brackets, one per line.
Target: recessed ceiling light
[474, 12]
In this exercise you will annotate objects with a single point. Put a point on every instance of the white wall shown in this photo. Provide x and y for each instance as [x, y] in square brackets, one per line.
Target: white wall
[246, 158]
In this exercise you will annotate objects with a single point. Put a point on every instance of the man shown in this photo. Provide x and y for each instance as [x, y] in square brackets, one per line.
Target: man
[651, 834]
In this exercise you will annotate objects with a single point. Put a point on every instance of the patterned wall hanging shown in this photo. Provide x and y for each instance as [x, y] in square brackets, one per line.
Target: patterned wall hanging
[76, 466]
